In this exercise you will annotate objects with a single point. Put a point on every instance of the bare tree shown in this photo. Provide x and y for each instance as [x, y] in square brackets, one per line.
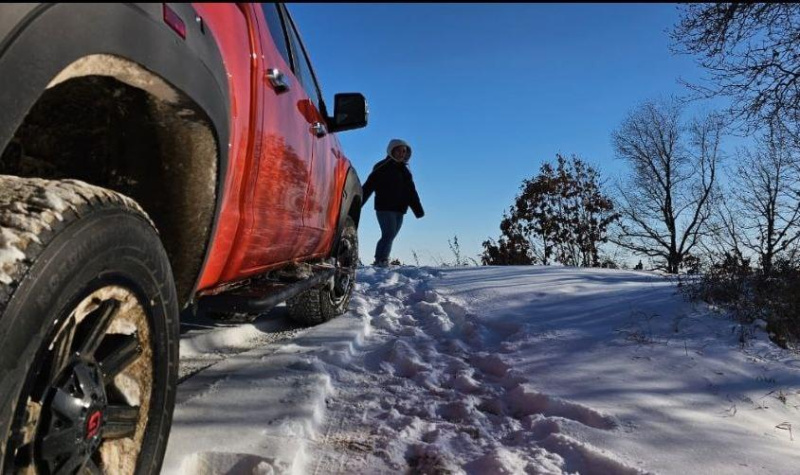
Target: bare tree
[751, 53]
[766, 186]
[726, 234]
[666, 203]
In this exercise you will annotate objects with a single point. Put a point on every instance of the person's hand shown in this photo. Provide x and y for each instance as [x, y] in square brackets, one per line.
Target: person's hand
[420, 214]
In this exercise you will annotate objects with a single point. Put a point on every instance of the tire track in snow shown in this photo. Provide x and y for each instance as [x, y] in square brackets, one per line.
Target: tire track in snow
[437, 397]
[205, 342]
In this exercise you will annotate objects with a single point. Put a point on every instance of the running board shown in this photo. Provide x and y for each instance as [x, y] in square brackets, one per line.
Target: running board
[261, 296]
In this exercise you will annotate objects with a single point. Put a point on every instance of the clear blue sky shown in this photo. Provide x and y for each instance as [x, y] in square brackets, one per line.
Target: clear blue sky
[485, 93]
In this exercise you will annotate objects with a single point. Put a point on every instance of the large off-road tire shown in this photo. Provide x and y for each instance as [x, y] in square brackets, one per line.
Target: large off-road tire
[88, 331]
[321, 304]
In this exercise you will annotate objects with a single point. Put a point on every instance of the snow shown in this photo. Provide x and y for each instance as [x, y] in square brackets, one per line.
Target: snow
[498, 370]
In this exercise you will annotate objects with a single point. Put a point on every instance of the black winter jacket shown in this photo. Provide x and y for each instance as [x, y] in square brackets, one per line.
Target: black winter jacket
[394, 189]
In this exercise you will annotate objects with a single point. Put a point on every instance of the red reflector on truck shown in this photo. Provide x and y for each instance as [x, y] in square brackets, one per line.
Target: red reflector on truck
[174, 21]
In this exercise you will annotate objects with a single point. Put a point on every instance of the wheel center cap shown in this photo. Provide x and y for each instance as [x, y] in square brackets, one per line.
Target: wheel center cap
[74, 416]
[93, 424]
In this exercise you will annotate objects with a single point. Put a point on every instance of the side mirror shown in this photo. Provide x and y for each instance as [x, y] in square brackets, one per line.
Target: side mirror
[349, 112]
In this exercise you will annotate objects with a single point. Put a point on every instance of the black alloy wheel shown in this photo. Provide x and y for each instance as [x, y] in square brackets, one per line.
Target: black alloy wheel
[88, 332]
[346, 262]
[83, 406]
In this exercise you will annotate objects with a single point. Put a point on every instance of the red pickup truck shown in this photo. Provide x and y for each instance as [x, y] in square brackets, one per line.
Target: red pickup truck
[155, 159]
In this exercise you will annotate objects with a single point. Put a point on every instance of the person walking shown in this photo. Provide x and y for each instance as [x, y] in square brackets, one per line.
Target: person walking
[394, 189]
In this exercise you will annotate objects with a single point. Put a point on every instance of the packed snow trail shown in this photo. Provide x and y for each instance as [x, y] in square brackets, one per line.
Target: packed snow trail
[489, 370]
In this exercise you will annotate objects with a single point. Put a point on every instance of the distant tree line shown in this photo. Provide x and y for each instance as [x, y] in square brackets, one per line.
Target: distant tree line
[685, 206]
[752, 255]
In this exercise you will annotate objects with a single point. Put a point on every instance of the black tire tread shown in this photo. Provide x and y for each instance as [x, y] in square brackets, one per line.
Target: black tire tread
[316, 305]
[307, 307]
[33, 211]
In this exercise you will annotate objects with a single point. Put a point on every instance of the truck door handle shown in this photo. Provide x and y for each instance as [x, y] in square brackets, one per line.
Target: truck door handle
[319, 129]
[278, 80]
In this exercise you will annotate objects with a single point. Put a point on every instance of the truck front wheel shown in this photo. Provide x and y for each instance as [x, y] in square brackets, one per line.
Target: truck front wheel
[324, 303]
[88, 331]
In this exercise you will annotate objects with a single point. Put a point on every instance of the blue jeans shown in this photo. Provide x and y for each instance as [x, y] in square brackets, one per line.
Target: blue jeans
[390, 223]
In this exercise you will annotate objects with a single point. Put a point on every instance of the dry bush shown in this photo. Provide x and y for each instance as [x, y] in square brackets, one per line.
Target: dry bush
[750, 294]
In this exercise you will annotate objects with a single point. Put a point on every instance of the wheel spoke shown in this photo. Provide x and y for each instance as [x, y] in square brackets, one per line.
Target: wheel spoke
[61, 442]
[94, 326]
[66, 405]
[62, 350]
[89, 381]
[122, 351]
[91, 468]
[72, 465]
[121, 422]
[23, 457]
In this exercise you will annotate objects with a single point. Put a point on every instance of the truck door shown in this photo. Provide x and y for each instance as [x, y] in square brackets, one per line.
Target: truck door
[283, 151]
[321, 186]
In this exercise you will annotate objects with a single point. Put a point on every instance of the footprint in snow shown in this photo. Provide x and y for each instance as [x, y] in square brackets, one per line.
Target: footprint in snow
[522, 402]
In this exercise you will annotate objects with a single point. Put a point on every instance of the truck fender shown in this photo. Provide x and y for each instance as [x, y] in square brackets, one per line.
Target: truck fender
[352, 198]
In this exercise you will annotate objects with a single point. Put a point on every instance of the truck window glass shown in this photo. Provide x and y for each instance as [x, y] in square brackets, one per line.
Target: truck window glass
[275, 26]
[302, 66]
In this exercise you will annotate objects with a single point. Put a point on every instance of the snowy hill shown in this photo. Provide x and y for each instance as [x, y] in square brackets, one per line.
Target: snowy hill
[489, 370]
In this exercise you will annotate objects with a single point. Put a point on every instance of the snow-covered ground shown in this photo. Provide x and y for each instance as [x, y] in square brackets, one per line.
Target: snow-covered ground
[490, 370]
